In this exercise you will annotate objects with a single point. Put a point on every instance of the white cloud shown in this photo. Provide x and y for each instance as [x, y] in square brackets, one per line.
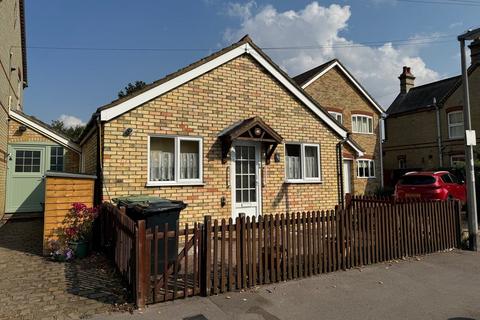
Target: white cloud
[244, 11]
[70, 121]
[376, 66]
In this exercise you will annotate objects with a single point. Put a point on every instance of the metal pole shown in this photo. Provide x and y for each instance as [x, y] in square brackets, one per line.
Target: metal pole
[470, 173]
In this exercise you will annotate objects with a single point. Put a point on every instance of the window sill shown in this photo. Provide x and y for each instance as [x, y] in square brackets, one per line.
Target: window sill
[303, 182]
[366, 177]
[368, 133]
[174, 184]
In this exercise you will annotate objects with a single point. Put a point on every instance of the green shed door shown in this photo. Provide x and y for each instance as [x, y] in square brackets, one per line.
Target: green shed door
[25, 179]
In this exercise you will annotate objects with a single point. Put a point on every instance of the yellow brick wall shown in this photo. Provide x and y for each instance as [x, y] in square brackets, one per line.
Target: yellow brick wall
[335, 92]
[11, 86]
[204, 107]
[89, 152]
[414, 135]
[71, 158]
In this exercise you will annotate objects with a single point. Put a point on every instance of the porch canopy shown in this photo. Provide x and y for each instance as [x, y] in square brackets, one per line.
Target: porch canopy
[251, 129]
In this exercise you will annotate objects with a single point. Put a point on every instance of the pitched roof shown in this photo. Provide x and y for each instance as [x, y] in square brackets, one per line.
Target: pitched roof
[310, 76]
[44, 129]
[244, 46]
[421, 97]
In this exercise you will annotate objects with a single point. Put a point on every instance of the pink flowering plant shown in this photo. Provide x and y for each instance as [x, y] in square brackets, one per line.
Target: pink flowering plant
[79, 223]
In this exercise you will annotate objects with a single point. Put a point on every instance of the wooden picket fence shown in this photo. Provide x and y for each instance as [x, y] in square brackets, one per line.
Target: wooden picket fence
[225, 255]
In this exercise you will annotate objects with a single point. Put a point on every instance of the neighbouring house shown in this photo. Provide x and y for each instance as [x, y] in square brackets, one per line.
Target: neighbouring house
[13, 76]
[424, 124]
[230, 134]
[33, 149]
[335, 88]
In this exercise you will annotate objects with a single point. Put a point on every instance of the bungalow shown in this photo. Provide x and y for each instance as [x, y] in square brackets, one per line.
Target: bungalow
[230, 134]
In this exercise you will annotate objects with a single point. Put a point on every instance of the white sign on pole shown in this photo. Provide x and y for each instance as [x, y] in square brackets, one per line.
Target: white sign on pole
[470, 138]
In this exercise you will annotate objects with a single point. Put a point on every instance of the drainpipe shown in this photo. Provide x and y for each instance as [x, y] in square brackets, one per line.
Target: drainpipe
[341, 195]
[439, 133]
[381, 129]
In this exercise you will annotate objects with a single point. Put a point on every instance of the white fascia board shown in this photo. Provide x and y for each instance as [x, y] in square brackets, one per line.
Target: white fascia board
[358, 151]
[349, 76]
[46, 132]
[115, 111]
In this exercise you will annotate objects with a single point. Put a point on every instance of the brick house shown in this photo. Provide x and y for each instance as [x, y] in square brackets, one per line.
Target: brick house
[230, 134]
[13, 76]
[424, 124]
[334, 87]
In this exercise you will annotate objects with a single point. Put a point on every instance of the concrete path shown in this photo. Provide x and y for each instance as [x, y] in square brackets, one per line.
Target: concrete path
[438, 286]
[33, 287]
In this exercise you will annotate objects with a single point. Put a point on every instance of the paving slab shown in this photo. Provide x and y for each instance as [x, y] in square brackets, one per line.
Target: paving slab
[438, 286]
[33, 287]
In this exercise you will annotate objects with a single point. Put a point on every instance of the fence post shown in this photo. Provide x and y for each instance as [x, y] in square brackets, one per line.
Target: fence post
[348, 200]
[142, 273]
[458, 223]
[205, 259]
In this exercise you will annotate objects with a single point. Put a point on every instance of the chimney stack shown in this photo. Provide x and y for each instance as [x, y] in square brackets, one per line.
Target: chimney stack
[407, 80]
[475, 51]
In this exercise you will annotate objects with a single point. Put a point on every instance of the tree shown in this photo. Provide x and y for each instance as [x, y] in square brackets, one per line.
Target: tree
[71, 132]
[131, 88]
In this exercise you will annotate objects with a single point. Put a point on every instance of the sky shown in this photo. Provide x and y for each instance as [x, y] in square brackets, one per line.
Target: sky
[80, 54]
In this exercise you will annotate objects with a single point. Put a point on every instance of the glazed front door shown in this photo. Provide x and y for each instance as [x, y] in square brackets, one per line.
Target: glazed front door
[25, 181]
[246, 184]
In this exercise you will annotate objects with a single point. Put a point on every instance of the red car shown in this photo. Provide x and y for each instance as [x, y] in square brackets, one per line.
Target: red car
[439, 185]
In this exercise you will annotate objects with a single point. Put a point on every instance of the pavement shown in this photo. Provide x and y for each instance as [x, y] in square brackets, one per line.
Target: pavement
[438, 286]
[34, 287]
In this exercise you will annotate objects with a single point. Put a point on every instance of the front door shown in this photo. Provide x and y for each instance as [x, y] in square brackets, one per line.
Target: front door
[246, 194]
[25, 179]
[347, 176]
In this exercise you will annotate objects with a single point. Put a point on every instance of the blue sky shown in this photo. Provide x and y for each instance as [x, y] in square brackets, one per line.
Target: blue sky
[76, 82]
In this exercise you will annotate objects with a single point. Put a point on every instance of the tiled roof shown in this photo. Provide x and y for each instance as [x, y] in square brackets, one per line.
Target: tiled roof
[303, 78]
[421, 97]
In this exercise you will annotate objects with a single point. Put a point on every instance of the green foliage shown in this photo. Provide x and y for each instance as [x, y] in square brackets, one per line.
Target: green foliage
[131, 88]
[71, 132]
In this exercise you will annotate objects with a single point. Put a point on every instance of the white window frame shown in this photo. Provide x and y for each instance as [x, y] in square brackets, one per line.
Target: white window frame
[302, 159]
[337, 115]
[369, 118]
[369, 161]
[176, 172]
[450, 125]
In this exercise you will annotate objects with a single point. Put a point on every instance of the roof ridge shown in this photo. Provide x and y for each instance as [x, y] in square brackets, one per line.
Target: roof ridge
[435, 82]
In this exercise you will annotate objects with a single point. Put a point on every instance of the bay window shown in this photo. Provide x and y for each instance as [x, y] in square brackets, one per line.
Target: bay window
[302, 162]
[174, 160]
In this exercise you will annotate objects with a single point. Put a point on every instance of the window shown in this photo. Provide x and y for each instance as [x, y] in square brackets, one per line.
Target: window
[418, 180]
[365, 169]
[446, 178]
[56, 159]
[362, 124]
[457, 161]
[337, 116]
[455, 124]
[302, 162]
[27, 161]
[402, 163]
[175, 160]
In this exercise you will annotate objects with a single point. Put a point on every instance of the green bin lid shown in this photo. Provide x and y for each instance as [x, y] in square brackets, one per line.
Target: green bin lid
[139, 199]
